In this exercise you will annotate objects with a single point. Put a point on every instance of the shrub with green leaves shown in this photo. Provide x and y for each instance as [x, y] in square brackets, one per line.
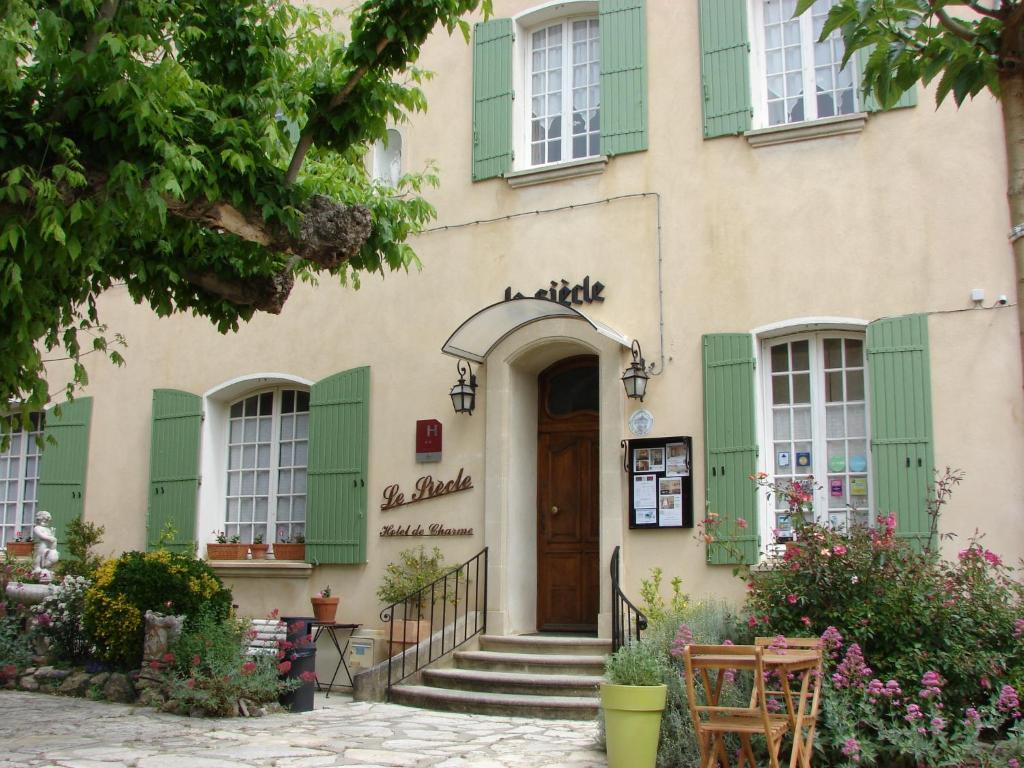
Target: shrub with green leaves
[78, 556]
[60, 618]
[209, 670]
[636, 663]
[909, 612]
[161, 581]
[15, 647]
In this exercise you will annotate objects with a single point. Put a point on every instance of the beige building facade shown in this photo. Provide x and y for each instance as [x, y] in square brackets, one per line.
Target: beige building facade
[798, 278]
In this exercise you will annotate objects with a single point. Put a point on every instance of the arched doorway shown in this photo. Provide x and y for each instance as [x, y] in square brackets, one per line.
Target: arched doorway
[568, 503]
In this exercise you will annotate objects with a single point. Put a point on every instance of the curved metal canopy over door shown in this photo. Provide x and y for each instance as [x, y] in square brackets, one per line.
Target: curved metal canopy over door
[483, 331]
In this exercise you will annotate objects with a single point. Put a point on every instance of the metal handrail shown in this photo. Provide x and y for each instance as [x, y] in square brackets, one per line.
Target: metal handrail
[449, 599]
[625, 616]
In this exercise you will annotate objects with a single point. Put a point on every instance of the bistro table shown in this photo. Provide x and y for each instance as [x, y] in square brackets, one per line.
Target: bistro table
[794, 662]
[340, 645]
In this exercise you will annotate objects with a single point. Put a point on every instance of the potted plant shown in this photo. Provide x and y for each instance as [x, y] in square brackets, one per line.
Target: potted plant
[19, 547]
[293, 548]
[403, 587]
[258, 548]
[325, 607]
[223, 548]
[633, 698]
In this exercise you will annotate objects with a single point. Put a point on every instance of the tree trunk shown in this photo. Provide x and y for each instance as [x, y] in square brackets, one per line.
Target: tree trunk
[1012, 96]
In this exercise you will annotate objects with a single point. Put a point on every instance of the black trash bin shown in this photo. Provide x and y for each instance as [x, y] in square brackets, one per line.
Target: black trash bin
[302, 655]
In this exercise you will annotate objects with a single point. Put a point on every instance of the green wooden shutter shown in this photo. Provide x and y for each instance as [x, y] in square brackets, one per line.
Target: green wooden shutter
[623, 25]
[492, 98]
[870, 103]
[62, 471]
[339, 432]
[725, 67]
[174, 467]
[901, 422]
[730, 446]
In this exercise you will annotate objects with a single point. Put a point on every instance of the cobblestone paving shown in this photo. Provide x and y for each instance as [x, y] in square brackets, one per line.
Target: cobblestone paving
[44, 730]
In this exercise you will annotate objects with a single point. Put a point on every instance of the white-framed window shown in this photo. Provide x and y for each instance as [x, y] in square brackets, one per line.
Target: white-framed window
[267, 456]
[386, 158]
[19, 480]
[563, 95]
[815, 426]
[795, 78]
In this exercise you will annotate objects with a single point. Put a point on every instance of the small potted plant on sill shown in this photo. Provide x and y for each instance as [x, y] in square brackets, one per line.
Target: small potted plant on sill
[293, 548]
[223, 548]
[258, 548]
[19, 547]
[633, 699]
[401, 587]
[325, 607]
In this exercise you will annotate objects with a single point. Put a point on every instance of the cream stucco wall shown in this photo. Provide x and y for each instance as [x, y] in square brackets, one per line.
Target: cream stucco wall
[906, 216]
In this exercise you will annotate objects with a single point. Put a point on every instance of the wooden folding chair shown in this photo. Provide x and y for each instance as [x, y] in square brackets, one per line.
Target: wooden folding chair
[712, 722]
[803, 720]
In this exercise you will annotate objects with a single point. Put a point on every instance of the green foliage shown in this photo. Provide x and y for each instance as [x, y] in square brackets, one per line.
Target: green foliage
[909, 612]
[162, 581]
[210, 671]
[711, 622]
[15, 646]
[913, 40]
[653, 603]
[404, 579]
[636, 663]
[78, 557]
[114, 127]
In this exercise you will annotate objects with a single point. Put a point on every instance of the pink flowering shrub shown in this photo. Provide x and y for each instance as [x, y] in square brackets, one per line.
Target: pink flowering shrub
[908, 612]
[870, 722]
[210, 669]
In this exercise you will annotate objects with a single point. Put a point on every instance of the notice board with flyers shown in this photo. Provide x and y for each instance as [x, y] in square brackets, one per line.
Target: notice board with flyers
[660, 473]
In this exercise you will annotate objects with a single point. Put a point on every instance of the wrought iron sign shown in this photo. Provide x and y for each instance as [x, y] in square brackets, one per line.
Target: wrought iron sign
[426, 488]
[564, 292]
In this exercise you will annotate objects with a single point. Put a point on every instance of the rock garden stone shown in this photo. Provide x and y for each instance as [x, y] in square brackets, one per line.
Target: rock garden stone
[119, 688]
[76, 684]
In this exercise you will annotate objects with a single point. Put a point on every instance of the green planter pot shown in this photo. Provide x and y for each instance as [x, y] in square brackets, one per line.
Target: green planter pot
[632, 722]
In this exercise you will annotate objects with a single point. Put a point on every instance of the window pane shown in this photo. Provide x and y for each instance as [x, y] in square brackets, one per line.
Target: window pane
[833, 353]
[854, 353]
[780, 390]
[781, 424]
[780, 358]
[801, 388]
[855, 385]
[835, 423]
[834, 387]
[801, 423]
[801, 361]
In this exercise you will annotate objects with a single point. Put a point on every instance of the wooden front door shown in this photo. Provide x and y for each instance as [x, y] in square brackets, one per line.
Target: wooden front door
[567, 497]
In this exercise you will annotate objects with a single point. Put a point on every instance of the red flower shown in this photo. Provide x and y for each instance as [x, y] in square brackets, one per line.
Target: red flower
[249, 667]
[806, 620]
[190, 683]
[308, 677]
[752, 621]
[154, 664]
[196, 660]
[168, 658]
[284, 667]
[791, 598]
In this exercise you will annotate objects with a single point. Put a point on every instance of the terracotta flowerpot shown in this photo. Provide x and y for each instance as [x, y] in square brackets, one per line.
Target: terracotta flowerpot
[259, 551]
[289, 551]
[405, 634]
[215, 551]
[19, 549]
[325, 609]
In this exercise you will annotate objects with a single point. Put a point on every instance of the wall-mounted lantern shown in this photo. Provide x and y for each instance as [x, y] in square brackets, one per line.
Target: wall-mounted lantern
[634, 378]
[464, 395]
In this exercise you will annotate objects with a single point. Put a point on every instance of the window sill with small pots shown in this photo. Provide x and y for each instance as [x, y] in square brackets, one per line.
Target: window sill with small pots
[278, 569]
[811, 129]
[572, 169]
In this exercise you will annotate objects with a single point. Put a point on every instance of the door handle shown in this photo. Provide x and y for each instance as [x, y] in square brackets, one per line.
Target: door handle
[554, 511]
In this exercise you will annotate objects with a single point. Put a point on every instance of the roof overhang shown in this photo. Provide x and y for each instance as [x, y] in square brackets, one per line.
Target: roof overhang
[481, 332]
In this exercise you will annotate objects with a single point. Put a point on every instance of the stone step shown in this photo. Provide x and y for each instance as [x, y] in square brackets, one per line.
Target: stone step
[535, 663]
[513, 682]
[506, 704]
[589, 646]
